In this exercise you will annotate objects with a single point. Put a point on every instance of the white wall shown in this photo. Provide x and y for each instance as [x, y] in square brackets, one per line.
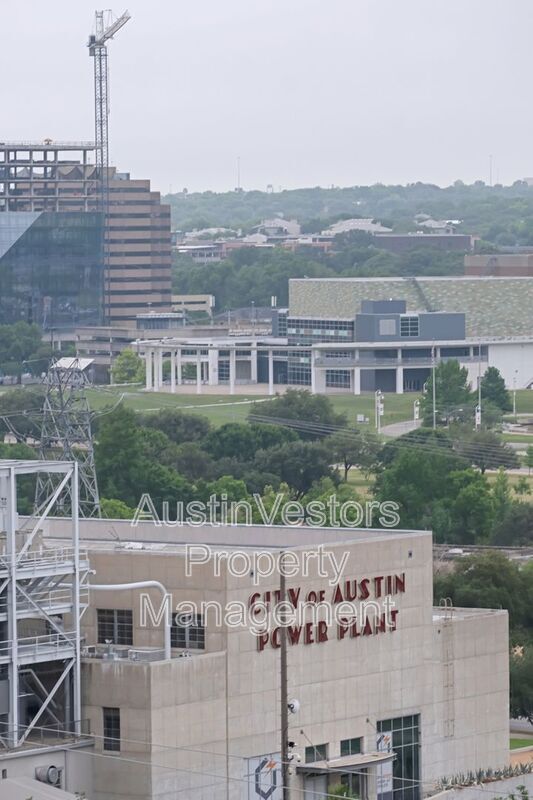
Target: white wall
[513, 359]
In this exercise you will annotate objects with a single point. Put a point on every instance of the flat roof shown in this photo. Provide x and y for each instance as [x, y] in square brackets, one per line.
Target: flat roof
[421, 279]
[108, 534]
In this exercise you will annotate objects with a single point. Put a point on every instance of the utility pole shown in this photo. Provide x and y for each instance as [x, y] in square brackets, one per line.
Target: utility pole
[434, 387]
[284, 697]
[478, 409]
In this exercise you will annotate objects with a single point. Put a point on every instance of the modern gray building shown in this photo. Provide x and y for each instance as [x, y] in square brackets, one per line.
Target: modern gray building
[364, 334]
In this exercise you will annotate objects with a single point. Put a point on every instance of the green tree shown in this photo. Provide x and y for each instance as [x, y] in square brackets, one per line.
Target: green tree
[177, 425]
[483, 448]
[299, 464]
[529, 457]
[119, 456]
[501, 493]
[232, 440]
[515, 527]
[128, 367]
[470, 507]
[521, 674]
[417, 480]
[311, 414]
[489, 580]
[522, 487]
[452, 393]
[115, 509]
[493, 389]
[18, 343]
[354, 449]
[420, 440]
[24, 407]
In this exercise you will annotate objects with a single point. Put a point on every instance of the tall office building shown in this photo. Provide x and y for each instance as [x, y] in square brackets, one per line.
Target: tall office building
[61, 263]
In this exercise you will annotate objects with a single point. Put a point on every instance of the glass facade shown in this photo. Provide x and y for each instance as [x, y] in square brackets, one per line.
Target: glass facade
[403, 735]
[51, 268]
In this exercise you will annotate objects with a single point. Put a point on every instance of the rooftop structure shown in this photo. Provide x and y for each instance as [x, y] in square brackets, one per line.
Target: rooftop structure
[493, 306]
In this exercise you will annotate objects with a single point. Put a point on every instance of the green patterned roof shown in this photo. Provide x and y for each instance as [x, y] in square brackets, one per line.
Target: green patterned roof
[493, 306]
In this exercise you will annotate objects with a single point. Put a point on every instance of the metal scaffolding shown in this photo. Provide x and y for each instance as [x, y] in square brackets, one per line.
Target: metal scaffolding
[66, 436]
[43, 594]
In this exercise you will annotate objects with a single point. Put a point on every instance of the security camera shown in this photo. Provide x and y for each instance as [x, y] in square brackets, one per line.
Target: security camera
[293, 706]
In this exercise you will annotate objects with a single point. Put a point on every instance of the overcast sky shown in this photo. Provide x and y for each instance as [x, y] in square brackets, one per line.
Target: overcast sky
[305, 92]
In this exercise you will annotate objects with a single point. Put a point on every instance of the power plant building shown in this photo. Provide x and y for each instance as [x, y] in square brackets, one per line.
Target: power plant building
[188, 705]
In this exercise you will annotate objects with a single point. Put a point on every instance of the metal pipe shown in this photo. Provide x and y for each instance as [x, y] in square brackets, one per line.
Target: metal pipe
[118, 587]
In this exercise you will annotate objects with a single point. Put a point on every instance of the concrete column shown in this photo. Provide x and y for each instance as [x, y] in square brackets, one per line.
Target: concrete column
[157, 385]
[178, 366]
[357, 380]
[232, 370]
[313, 373]
[149, 365]
[212, 377]
[159, 369]
[173, 371]
[198, 373]
[253, 363]
[399, 380]
[270, 372]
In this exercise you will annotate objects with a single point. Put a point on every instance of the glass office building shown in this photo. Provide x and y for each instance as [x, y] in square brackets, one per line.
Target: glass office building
[51, 268]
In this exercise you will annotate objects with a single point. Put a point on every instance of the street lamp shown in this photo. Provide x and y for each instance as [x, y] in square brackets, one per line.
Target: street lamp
[379, 409]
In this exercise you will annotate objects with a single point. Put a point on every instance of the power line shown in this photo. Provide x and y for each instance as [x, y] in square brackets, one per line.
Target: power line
[221, 779]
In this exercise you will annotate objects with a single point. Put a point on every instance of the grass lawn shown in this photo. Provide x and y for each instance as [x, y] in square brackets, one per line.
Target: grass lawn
[217, 408]
[221, 408]
[513, 480]
[514, 744]
[360, 482]
[398, 407]
[518, 438]
[524, 401]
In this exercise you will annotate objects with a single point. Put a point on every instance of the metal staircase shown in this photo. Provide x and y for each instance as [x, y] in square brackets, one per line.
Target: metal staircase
[43, 594]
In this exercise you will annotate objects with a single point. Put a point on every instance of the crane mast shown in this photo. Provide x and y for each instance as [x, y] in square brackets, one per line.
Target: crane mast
[105, 29]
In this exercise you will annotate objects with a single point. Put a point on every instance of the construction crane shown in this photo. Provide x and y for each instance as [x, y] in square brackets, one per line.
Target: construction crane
[105, 29]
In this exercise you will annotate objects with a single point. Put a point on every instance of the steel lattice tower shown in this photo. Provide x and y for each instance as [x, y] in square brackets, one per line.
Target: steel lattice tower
[66, 435]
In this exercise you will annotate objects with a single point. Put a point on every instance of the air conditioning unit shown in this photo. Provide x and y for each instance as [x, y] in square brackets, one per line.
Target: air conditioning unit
[50, 775]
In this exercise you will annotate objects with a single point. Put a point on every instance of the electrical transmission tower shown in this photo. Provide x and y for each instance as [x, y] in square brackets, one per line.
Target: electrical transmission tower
[105, 29]
[66, 435]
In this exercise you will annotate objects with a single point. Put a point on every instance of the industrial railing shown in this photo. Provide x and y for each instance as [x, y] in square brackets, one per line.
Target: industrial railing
[52, 644]
[423, 361]
[47, 558]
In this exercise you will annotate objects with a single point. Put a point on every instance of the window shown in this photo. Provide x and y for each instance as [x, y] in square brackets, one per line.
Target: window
[387, 327]
[111, 728]
[188, 631]
[115, 625]
[317, 752]
[403, 735]
[350, 747]
[409, 326]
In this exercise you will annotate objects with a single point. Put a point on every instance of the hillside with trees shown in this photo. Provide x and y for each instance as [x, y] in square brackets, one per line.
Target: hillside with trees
[502, 215]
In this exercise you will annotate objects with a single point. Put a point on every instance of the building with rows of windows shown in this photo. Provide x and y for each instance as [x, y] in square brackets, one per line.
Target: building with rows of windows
[63, 263]
[364, 334]
[386, 701]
